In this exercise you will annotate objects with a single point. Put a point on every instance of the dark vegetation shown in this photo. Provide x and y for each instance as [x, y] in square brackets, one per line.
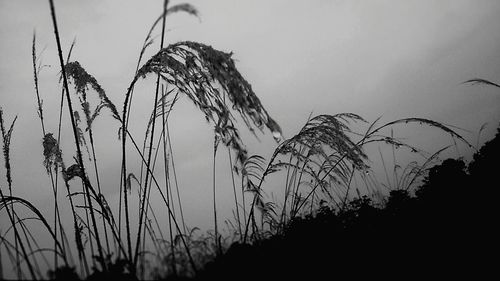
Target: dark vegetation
[434, 219]
[447, 228]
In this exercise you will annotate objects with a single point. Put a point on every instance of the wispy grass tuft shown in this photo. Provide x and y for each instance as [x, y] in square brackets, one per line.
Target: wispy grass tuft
[197, 70]
[480, 81]
[6, 136]
[82, 81]
[51, 152]
[320, 164]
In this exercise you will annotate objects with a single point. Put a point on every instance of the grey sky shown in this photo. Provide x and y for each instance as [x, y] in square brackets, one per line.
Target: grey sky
[391, 58]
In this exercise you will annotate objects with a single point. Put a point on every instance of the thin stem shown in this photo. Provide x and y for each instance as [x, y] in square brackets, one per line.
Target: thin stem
[18, 239]
[183, 240]
[143, 203]
[214, 196]
[94, 158]
[234, 190]
[73, 123]
[11, 213]
[171, 151]
[167, 190]
[344, 203]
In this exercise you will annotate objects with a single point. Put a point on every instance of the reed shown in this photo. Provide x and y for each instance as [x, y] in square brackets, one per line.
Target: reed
[319, 166]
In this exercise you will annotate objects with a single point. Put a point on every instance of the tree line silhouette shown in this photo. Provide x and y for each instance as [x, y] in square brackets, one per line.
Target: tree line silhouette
[445, 228]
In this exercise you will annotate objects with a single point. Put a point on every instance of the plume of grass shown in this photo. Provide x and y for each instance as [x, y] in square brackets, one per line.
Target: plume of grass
[373, 134]
[148, 41]
[214, 80]
[323, 148]
[6, 138]
[183, 7]
[325, 155]
[83, 81]
[194, 69]
[52, 160]
[75, 171]
[25, 245]
[197, 70]
[51, 152]
[77, 229]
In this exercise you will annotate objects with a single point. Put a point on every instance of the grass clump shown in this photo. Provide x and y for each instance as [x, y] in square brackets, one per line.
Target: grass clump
[320, 219]
[437, 230]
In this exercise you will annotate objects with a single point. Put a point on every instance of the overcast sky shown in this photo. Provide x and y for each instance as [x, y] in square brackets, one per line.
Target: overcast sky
[391, 58]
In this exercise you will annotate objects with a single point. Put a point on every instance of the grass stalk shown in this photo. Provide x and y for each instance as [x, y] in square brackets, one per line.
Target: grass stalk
[27, 236]
[89, 231]
[217, 245]
[73, 123]
[344, 202]
[234, 192]
[179, 202]
[1, 265]
[6, 138]
[166, 172]
[149, 207]
[286, 194]
[182, 237]
[88, 118]
[143, 203]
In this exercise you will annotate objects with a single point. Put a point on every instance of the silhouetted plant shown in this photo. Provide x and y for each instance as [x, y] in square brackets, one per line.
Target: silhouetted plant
[430, 232]
[63, 273]
[317, 224]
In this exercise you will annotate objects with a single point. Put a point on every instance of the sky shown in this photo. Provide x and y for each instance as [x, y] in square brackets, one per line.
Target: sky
[393, 59]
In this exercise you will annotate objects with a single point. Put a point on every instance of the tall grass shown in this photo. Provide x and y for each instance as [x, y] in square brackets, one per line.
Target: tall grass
[318, 166]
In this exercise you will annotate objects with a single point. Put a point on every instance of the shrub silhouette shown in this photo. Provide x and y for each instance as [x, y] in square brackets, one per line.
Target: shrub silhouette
[448, 220]
[444, 229]
[63, 273]
[484, 167]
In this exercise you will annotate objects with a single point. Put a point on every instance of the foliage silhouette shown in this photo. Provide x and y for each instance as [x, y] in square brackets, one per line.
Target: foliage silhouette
[448, 220]
[440, 230]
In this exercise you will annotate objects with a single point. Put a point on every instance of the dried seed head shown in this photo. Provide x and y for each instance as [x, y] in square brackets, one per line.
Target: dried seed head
[211, 81]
